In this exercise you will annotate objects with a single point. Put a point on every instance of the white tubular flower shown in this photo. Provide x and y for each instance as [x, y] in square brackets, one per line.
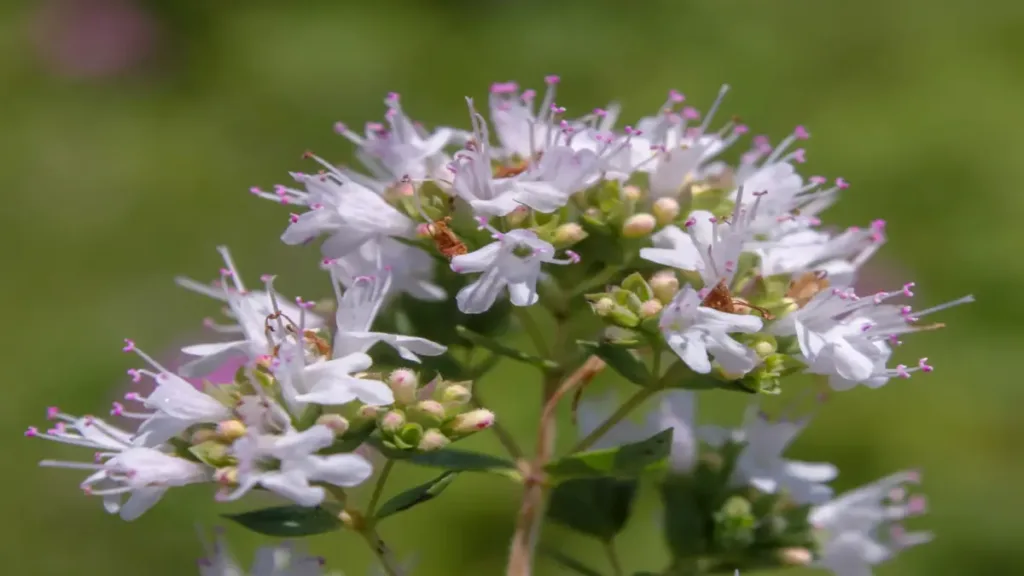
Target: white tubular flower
[694, 332]
[860, 527]
[406, 149]
[761, 464]
[358, 307]
[677, 410]
[118, 467]
[176, 402]
[513, 261]
[326, 382]
[412, 269]
[846, 337]
[521, 131]
[345, 211]
[287, 464]
[544, 186]
[807, 250]
[250, 310]
[285, 559]
[709, 245]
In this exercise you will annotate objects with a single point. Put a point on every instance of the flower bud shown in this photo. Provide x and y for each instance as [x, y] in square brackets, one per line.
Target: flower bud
[631, 193]
[456, 395]
[795, 556]
[404, 383]
[666, 210]
[231, 429]
[568, 234]
[650, 308]
[392, 421]
[433, 439]
[472, 421]
[604, 306]
[203, 435]
[429, 412]
[368, 412]
[665, 286]
[337, 423]
[639, 225]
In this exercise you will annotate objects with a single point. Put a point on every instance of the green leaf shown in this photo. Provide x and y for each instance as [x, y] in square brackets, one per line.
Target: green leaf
[628, 461]
[288, 521]
[499, 348]
[212, 453]
[636, 284]
[679, 375]
[599, 507]
[567, 561]
[620, 359]
[686, 522]
[415, 496]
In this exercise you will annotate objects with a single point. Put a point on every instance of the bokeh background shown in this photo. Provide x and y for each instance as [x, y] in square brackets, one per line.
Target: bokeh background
[131, 130]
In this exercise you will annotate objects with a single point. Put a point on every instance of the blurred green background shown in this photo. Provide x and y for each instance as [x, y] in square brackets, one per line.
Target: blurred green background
[129, 143]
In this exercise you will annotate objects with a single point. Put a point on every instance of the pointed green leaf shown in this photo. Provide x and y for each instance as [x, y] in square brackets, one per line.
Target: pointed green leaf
[686, 522]
[499, 348]
[288, 521]
[599, 507]
[679, 375]
[621, 360]
[628, 461]
[212, 453]
[636, 284]
[463, 461]
[415, 496]
[567, 561]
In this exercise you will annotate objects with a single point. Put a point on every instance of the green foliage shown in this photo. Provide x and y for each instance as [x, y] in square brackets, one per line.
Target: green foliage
[626, 461]
[598, 507]
[289, 521]
[416, 496]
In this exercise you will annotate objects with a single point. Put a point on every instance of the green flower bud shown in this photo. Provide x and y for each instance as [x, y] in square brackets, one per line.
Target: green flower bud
[456, 395]
[665, 210]
[337, 423]
[427, 412]
[639, 226]
[392, 421]
[764, 345]
[604, 306]
[568, 234]
[203, 435]
[408, 437]
[433, 439]
[650, 309]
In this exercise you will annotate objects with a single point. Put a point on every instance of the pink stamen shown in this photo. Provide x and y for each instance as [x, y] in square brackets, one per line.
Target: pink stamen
[552, 79]
[129, 345]
[52, 412]
[906, 289]
[690, 113]
[801, 133]
[31, 431]
[842, 184]
[340, 127]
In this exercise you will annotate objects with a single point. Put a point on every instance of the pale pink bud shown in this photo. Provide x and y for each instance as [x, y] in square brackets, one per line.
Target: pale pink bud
[433, 439]
[337, 423]
[650, 308]
[639, 225]
[392, 421]
[666, 210]
[472, 421]
[231, 429]
[665, 286]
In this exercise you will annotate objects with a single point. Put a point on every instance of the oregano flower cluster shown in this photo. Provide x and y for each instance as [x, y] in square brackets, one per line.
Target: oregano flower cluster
[677, 252]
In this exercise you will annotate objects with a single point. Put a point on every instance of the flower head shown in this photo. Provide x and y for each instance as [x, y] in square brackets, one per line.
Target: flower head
[512, 261]
[695, 332]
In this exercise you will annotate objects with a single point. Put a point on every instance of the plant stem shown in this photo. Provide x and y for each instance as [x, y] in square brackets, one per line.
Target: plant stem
[378, 489]
[531, 509]
[623, 411]
[613, 557]
[381, 551]
[533, 331]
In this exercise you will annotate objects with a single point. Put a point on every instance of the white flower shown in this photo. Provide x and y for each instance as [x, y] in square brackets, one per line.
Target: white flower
[285, 559]
[693, 332]
[521, 131]
[859, 526]
[807, 250]
[761, 464]
[118, 467]
[358, 307]
[287, 464]
[412, 269]
[676, 411]
[176, 402]
[544, 186]
[404, 150]
[709, 245]
[513, 262]
[347, 212]
[250, 310]
[846, 337]
[327, 382]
